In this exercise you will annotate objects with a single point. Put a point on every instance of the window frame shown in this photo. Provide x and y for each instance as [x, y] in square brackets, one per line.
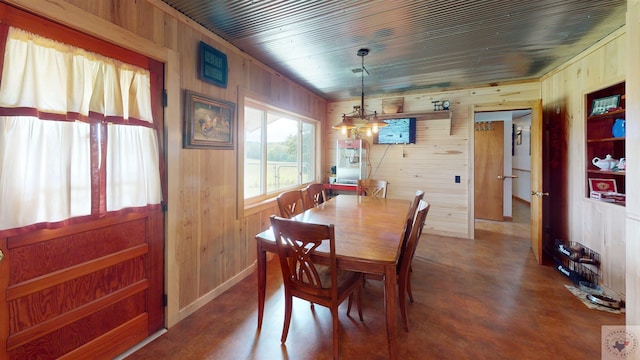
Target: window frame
[266, 196]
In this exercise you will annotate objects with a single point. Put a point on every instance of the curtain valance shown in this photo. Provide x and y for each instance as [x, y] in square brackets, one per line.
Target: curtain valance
[50, 80]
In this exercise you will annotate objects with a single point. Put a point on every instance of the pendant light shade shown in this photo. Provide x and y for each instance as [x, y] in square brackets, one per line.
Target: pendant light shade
[359, 117]
[344, 125]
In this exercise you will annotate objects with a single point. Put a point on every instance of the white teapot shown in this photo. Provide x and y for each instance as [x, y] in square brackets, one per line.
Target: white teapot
[608, 163]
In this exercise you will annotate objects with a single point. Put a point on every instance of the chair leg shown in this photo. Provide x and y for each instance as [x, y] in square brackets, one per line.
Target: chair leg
[409, 287]
[402, 290]
[334, 316]
[287, 318]
[349, 305]
[359, 295]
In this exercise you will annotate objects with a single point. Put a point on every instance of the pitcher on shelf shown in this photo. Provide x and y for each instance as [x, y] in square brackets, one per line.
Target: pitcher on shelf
[608, 163]
[622, 164]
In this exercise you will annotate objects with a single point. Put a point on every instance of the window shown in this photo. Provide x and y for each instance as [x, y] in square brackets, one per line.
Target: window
[86, 148]
[279, 152]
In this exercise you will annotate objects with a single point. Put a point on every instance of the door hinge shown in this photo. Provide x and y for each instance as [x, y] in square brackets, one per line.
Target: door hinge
[165, 300]
[164, 98]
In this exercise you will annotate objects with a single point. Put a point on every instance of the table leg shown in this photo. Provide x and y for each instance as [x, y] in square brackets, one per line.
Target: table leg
[262, 281]
[390, 308]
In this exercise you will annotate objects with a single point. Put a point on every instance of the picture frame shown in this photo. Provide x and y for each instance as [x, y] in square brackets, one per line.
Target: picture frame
[603, 105]
[213, 66]
[208, 123]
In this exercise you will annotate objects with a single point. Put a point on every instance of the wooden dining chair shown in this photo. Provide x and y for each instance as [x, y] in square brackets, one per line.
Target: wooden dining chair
[409, 224]
[315, 195]
[372, 187]
[411, 214]
[303, 278]
[404, 278]
[290, 203]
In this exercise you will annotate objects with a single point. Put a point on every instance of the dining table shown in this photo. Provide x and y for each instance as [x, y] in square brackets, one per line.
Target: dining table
[368, 233]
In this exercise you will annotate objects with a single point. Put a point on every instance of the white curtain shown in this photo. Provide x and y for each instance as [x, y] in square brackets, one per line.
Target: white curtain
[49, 95]
[132, 167]
[45, 173]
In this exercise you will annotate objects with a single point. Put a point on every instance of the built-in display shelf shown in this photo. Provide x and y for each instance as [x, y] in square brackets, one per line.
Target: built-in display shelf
[424, 115]
[600, 140]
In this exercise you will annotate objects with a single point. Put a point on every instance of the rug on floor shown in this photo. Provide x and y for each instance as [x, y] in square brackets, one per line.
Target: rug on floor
[582, 296]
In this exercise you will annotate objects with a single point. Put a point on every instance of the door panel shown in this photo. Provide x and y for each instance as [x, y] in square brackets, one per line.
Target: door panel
[71, 286]
[488, 170]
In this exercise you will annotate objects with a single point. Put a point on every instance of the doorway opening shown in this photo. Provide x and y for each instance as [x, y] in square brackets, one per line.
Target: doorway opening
[502, 171]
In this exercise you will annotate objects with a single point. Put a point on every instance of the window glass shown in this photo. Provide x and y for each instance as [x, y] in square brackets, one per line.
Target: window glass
[308, 152]
[253, 152]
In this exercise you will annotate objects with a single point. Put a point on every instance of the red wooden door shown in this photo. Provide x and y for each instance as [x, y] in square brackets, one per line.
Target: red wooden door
[88, 289]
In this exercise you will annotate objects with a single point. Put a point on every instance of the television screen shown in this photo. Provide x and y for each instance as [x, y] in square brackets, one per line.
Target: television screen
[399, 131]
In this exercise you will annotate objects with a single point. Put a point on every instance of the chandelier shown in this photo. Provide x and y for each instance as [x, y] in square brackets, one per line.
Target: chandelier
[359, 119]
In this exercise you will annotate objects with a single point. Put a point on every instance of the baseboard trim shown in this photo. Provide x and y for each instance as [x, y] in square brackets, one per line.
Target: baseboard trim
[202, 301]
[141, 344]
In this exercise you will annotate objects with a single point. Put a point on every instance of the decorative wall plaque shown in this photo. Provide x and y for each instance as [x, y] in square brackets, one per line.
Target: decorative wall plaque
[213, 67]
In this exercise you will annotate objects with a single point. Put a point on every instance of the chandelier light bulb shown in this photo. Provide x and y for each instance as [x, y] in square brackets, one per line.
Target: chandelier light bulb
[375, 128]
[369, 132]
[344, 129]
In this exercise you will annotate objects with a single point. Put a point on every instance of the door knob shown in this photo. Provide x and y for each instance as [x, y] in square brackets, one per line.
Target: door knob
[539, 193]
[1, 255]
[502, 177]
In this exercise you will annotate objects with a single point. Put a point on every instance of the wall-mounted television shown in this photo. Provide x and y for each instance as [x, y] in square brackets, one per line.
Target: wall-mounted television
[399, 131]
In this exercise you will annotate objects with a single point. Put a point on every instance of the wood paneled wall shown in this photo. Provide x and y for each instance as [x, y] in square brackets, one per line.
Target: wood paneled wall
[597, 225]
[214, 248]
[439, 153]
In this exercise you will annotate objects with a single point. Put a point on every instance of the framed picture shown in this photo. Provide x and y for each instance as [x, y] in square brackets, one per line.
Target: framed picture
[213, 66]
[208, 123]
[603, 105]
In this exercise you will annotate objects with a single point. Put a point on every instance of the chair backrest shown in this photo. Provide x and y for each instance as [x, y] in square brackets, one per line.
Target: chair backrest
[372, 187]
[315, 195]
[295, 242]
[409, 221]
[290, 203]
[414, 237]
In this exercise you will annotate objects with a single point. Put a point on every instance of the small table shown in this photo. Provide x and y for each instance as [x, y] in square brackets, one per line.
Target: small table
[332, 187]
[368, 237]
